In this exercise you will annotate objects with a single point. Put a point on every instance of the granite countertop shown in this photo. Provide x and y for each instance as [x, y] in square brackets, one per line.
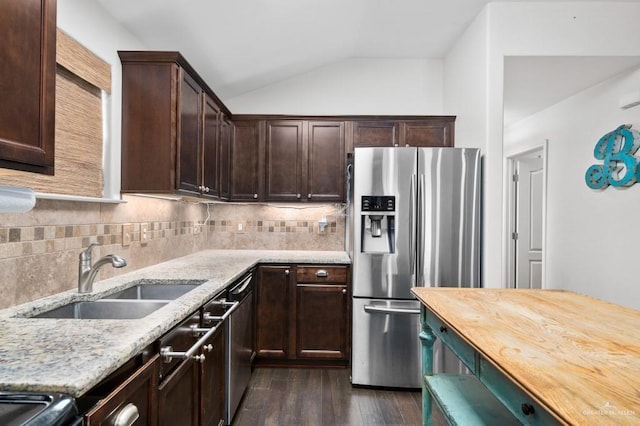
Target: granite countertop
[71, 356]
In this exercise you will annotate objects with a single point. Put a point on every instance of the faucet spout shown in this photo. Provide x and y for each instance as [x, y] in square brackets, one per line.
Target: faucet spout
[87, 272]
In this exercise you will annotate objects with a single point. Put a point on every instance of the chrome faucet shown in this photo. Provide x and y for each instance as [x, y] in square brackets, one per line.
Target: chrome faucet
[87, 272]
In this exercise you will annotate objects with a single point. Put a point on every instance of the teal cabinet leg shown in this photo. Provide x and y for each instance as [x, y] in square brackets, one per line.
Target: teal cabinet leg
[428, 339]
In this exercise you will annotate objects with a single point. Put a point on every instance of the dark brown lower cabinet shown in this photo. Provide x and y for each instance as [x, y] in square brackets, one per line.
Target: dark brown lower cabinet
[272, 312]
[178, 396]
[136, 394]
[303, 314]
[321, 321]
[212, 383]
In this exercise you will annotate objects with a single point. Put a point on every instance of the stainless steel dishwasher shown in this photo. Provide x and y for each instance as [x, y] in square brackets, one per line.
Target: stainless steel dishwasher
[240, 350]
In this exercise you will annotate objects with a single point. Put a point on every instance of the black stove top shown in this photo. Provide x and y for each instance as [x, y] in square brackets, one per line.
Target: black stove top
[37, 409]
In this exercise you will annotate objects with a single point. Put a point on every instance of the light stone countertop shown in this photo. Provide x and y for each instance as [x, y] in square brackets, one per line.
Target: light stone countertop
[71, 356]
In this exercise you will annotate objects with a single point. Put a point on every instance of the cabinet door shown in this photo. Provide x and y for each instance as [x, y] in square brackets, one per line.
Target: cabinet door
[427, 133]
[226, 130]
[375, 133]
[245, 150]
[272, 308]
[149, 117]
[211, 148]
[325, 174]
[212, 384]
[27, 84]
[322, 321]
[283, 181]
[190, 166]
[178, 396]
[139, 391]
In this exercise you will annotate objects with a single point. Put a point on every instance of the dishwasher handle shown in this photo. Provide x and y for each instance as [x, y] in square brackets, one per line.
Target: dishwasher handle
[389, 310]
[168, 354]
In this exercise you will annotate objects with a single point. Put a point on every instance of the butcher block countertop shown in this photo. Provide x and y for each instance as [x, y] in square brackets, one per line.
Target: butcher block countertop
[72, 356]
[578, 357]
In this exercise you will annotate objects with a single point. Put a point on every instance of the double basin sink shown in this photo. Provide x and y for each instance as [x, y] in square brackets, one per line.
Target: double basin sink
[134, 302]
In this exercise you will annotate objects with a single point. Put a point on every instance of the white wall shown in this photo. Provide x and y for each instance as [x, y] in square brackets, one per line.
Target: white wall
[592, 235]
[521, 29]
[89, 24]
[352, 86]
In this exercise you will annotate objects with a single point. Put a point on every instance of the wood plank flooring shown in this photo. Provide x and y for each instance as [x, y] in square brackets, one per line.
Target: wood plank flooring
[318, 396]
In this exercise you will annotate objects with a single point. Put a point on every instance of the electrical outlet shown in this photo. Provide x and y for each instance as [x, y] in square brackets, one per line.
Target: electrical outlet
[127, 234]
[144, 233]
[322, 225]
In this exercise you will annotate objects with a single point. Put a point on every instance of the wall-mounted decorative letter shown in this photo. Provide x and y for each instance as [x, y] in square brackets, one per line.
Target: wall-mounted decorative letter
[619, 167]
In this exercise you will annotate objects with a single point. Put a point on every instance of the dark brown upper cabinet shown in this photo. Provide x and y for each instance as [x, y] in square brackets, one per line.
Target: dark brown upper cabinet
[211, 146]
[305, 160]
[284, 158]
[226, 135]
[27, 84]
[378, 133]
[171, 126]
[437, 131]
[246, 159]
[325, 173]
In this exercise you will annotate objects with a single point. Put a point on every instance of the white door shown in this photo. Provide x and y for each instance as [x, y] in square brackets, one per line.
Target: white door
[529, 192]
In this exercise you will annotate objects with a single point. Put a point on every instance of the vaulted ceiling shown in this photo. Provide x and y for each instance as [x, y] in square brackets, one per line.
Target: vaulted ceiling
[243, 45]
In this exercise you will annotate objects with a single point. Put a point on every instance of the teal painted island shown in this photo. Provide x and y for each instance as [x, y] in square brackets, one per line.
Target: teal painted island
[535, 357]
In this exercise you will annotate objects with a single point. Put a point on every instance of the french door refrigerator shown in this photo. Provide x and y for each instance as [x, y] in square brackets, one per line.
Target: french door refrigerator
[415, 221]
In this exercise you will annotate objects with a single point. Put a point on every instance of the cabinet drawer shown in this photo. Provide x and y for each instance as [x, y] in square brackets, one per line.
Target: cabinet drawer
[322, 274]
[136, 395]
[515, 399]
[450, 338]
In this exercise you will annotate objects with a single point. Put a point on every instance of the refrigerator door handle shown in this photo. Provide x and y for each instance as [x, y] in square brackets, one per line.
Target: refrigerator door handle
[420, 233]
[412, 229]
[388, 310]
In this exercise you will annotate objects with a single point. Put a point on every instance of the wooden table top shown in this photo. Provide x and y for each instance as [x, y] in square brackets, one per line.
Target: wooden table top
[579, 357]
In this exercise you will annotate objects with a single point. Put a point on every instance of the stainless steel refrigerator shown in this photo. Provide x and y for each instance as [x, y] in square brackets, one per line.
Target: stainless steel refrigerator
[415, 221]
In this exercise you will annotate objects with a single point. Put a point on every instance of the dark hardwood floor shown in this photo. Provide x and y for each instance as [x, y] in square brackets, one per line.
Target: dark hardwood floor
[318, 396]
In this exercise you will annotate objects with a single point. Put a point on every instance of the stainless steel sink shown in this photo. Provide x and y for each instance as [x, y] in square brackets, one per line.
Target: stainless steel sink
[153, 292]
[104, 309]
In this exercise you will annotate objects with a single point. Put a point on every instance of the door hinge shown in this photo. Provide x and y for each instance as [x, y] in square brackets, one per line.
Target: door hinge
[516, 177]
[514, 235]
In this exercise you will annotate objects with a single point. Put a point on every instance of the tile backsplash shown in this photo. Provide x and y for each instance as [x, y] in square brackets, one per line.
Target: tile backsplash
[39, 249]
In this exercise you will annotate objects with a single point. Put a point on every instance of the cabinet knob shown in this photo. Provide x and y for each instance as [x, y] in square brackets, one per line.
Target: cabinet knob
[344, 291]
[308, 195]
[255, 196]
[208, 347]
[206, 189]
[199, 358]
[527, 409]
[286, 272]
[298, 196]
[443, 329]
[127, 415]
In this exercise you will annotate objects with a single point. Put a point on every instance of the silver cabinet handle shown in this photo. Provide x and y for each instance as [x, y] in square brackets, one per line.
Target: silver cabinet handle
[309, 196]
[127, 415]
[344, 291]
[255, 196]
[383, 310]
[322, 273]
[208, 347]
[286, 272]
[199, 358]
[167, 352]
[298, 196]
[245, 284]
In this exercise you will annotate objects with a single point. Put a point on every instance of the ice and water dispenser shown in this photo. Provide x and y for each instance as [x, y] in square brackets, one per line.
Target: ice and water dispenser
[377, 224]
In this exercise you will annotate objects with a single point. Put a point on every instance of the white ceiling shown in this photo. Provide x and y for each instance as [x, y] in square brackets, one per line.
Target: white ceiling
[242, 45]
